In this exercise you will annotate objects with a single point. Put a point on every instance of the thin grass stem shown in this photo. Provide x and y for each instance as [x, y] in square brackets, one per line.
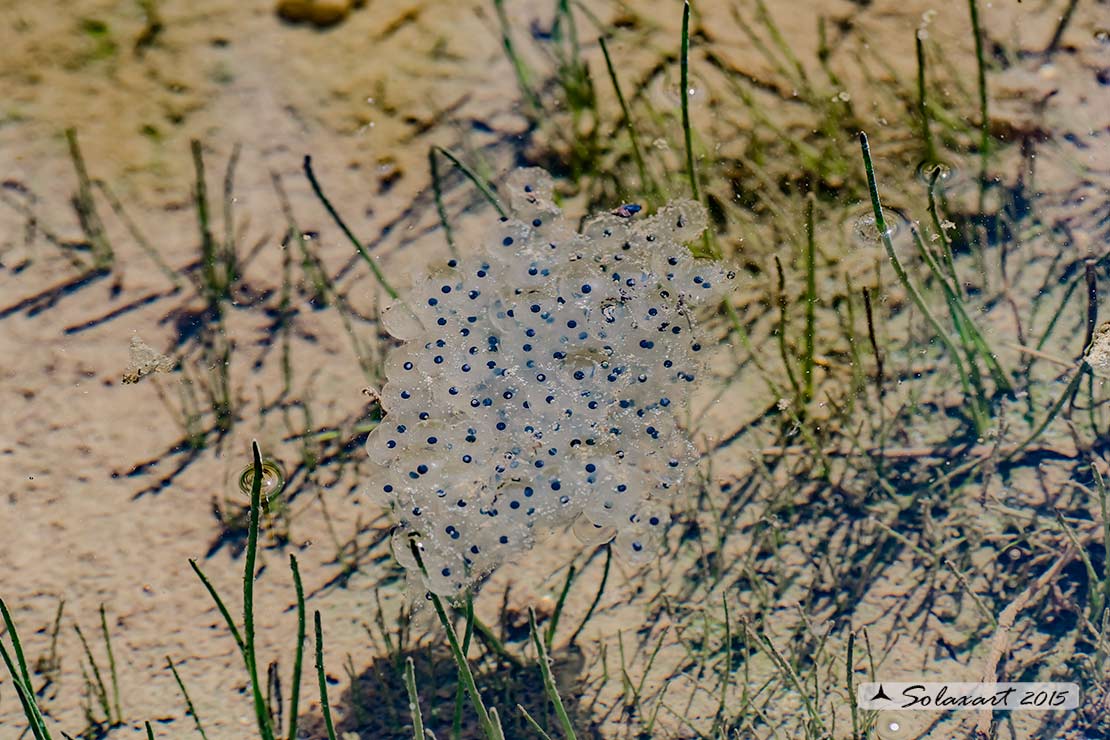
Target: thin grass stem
[370, 261]
[637, 155]
[470, 174]
[549, 634]
[261, 711]
[489, 729]
[298, 655]
[549, 682]
[597, 596]
[915, 295]
[922, 102]
[325, 709]
[188, 702]
[414, 700]
[984, 118]
[684, 94]
[811, 300]
[111, 665]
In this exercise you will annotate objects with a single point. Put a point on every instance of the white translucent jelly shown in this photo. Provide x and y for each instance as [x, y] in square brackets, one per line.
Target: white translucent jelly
[537, 387]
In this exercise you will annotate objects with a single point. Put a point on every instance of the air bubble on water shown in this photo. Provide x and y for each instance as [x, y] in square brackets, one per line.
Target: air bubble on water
[273, 479]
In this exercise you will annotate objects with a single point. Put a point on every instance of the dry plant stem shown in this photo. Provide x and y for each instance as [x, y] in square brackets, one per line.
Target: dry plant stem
[318, 190]
[91, 224]
[880, 222]
[1000, 643]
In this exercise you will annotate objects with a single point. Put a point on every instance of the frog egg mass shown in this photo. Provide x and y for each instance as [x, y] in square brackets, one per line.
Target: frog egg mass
[537, 387]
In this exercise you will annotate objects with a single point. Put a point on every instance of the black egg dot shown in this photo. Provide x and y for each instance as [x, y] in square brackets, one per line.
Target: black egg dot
[537, 222]
[646, 343]
[407, 366]
[587, 288]
[654, 521]
[503, 539]
[432, 440]
[590, 467]
[446, 571]
[441, 321]
[445, 289]
[433, 301]
[637, 546]
[556, 485]
[507, 241]
[422, 468]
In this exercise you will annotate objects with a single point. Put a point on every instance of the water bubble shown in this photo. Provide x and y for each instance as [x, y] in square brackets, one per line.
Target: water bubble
[273, 479]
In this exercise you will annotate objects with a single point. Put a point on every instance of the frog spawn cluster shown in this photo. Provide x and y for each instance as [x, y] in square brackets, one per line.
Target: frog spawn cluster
[538, 386]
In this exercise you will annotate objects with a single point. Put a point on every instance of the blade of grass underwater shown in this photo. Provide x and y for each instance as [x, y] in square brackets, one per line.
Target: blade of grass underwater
[811, 300]
[534, 724]
[91, 224]
[437, 195]
[100, 688]
[298, 656]
[549, 633]
[922, 102]
[414, 700]
[489, 729]
[22, 679]
[324, 707]
[647, 184]
[111, 664]
[884, 235]
[984, 118]
[220, 606]
[597, 597]
[319, 191]
[519, 68]
[149, 732]
[261, 711]
[188, 702]
[549, 682]
[684, 93]
[478, 182]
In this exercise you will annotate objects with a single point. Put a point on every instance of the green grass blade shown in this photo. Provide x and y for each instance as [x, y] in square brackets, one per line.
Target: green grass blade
[188, 701]
[811, 300]
[489, 729]
[220, 606]
[471, 175]
[437, 194]
[523, 78]
[549, 634]
[324, 707]
[100, 688]
[597, 597]
[549, 682]
[149, 732]
[684, 92]
[915, 294]
[647, 184]
[111, 665]
[533, 723]
[922, 102]
[261, 711]
[22, 679]
[319, 191]
[984, 117]
[298, 657]
[414, 700]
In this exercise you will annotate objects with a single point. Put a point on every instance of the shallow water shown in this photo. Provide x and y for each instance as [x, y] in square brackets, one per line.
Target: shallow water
[867, 491]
